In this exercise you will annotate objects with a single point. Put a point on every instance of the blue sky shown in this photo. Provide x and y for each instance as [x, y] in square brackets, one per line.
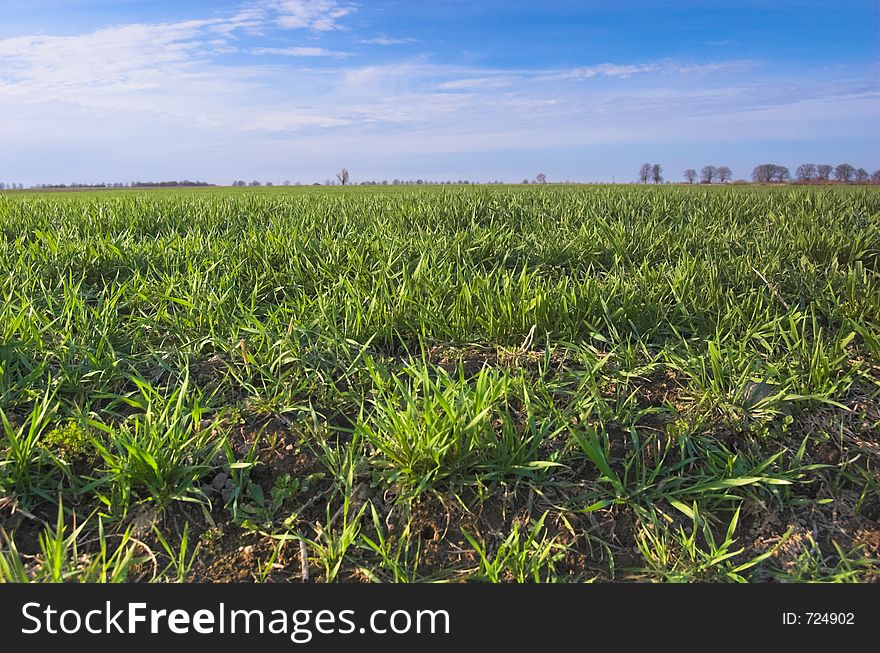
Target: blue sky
[117, 90]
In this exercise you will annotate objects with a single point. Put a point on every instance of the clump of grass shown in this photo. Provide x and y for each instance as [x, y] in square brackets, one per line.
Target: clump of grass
[158, 455]
[523, 556]
[429, 429]
[63, 556]
[25, 470]
[695, 553]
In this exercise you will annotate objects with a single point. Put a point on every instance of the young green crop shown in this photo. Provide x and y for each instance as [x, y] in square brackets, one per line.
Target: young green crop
[409, 381]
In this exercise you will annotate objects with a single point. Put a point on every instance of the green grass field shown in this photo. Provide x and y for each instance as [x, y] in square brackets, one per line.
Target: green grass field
[441, 384]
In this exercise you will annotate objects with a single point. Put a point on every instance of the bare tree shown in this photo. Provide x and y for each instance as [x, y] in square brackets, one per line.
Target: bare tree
[761, 173]
[725, 174]
[862, 176]
[875, 177]
[540, 178]
[690, 176]
[844, 173]
[806, 172]
[708, 174]
[823, 172]
[656, 173]
[343, 176]
[645, 173]
[770, 172]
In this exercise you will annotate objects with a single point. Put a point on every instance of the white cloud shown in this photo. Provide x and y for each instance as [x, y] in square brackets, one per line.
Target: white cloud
[288, 120]
[622, 71]
[739, 65]
[43, 67]
[248, 18]
[388, 40]
[317, 15]
[603, 70]
[476, 83]
[299, 52]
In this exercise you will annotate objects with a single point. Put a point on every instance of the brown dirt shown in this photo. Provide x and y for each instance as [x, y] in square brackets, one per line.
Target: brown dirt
[472, 358]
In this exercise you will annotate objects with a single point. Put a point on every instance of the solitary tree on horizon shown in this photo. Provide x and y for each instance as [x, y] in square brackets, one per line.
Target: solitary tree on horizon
[343, 176]
[540, 178]
[690, 176]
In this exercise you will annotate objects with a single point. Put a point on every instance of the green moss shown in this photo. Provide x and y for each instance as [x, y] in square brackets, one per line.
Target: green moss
[72, 442]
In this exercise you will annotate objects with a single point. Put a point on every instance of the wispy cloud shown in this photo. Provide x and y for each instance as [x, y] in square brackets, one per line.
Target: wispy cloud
[289, 120]
[603, 70]
[170, 70]
[317, 15]
[734, 66]
[622, 71]
[299, 51]
[477, 83]
[389, 40]
[129, 57]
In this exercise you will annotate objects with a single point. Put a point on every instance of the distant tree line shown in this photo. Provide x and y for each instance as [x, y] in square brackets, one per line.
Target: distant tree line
[79, 185]
[709, 175]
[343, 178]
[426, 182]
[765, 173]
[168, 184]
[396, 182]
[117, 184]
[769, 173]
[811, 173]
[420, 182]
